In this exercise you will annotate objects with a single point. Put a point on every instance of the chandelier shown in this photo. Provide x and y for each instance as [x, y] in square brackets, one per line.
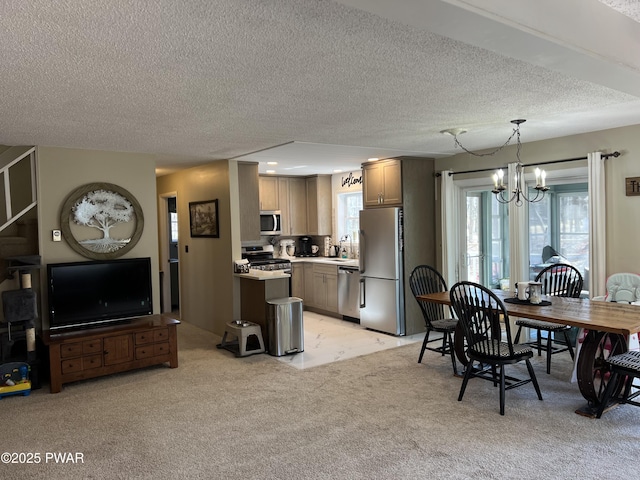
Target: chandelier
[518, 192]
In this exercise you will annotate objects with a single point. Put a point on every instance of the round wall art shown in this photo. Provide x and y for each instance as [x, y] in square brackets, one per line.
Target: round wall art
[101, 221]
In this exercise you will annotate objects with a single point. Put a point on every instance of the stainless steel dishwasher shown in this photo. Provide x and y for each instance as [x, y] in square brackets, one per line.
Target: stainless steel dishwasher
[349, 292]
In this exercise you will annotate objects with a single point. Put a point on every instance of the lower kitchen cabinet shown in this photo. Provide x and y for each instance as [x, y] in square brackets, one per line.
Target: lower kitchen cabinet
[317, 285]
[309, 297]
[297, 280]
[325, 287]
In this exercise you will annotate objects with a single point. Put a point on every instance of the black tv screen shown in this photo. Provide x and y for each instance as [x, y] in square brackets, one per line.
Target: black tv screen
[94, 292]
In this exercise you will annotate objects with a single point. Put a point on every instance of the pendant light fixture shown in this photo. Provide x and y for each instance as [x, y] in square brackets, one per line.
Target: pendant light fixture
[518, 192]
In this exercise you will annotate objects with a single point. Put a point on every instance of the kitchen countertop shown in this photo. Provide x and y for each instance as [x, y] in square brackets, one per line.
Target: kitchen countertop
[349, 262]
[263, 274]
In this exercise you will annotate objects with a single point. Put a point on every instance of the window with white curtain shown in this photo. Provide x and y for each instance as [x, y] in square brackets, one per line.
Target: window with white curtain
[487, 239]
[561, 220]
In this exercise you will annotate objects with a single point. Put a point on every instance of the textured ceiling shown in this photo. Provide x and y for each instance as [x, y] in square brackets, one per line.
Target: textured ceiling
[329, 82]
[630, 8]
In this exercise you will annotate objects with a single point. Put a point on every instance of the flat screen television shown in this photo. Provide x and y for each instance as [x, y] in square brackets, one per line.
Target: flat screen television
[85, 294]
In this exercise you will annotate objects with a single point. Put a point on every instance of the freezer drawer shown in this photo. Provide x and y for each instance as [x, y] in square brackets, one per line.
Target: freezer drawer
[349, 292]
[382, 306]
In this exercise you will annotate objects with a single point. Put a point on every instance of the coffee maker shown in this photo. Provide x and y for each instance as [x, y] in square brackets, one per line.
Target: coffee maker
[304, 247]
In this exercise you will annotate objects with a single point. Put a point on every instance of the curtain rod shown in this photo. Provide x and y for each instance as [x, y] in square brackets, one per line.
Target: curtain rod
[615, 154]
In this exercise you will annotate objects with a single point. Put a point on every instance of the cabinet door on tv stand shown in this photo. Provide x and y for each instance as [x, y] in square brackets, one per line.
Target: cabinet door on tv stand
[118, 349]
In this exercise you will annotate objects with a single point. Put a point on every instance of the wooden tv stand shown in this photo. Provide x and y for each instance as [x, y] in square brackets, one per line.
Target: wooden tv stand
[79, 354]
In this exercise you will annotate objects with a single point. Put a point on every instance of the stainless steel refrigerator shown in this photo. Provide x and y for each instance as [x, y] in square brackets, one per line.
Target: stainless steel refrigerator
[381, 270]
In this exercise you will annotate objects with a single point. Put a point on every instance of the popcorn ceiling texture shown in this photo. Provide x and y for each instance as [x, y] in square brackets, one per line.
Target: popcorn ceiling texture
[202, 80]
[630, 8]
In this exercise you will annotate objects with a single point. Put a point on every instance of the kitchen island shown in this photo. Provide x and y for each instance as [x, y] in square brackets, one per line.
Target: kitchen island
[256, 287]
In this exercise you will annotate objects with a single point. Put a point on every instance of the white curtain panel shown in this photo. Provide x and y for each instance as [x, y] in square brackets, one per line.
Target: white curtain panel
[597, 225]
[449, 207]
[518, 237]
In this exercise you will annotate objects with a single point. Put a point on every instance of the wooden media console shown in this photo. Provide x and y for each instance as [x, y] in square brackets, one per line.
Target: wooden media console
[79, 354]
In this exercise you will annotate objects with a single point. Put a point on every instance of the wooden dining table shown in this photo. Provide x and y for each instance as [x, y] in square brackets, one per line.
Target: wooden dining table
[608, 325]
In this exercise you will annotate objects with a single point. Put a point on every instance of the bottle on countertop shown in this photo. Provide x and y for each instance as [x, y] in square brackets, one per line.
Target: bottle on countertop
[344, 253]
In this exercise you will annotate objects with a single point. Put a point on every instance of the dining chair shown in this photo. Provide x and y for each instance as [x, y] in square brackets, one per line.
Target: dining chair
[560, 280]
[622, 367]
[423, 280]
[482, 314]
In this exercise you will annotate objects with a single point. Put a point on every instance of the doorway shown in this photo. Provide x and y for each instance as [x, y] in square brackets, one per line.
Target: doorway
[486, 242]
[169, 255]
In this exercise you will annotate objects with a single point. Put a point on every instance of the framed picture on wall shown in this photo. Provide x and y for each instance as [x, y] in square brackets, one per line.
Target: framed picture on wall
[203, 218]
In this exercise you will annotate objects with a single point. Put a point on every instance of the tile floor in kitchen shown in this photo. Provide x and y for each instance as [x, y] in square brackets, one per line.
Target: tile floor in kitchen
[329, 339]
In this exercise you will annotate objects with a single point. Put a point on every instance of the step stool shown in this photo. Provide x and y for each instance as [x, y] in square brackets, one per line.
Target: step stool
[241, 331]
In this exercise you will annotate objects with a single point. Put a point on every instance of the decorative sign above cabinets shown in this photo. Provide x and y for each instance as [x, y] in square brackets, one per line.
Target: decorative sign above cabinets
[351, 180]
[633, 186]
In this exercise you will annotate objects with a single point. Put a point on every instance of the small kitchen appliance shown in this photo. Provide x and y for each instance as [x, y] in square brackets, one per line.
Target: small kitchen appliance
[270, 222]
[287, 249]
[304, 247]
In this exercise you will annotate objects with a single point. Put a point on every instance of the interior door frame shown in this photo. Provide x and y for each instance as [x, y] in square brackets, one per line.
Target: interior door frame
[163, 240]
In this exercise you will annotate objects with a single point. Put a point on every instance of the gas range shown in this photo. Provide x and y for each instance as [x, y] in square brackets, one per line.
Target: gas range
[261, 258]
[271, 264]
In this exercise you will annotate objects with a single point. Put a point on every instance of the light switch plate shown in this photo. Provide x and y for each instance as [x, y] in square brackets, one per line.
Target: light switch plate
[57, 235]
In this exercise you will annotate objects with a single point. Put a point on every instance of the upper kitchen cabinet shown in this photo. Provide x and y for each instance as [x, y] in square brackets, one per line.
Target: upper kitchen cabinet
[269, 198]
[292, 201]
[382, 183]
[319, 205]
[248, 185]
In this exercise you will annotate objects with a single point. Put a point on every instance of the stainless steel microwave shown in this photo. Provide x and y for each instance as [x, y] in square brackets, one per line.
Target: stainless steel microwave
[270, 222]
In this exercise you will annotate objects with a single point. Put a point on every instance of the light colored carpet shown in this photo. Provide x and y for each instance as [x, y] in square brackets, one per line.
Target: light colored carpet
[379, 416]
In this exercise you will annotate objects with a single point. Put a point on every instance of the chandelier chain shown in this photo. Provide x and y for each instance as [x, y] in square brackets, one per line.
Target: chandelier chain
[488, 154]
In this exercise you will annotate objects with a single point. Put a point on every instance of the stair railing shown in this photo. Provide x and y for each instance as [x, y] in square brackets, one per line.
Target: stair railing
[22, 154]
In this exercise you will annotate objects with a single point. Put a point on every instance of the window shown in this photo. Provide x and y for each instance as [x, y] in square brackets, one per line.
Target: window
[487, 232]
[561, 220]
[348, 215]
[173, 220]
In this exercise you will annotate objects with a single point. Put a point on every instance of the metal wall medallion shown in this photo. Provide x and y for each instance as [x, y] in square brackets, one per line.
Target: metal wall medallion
[101, 221]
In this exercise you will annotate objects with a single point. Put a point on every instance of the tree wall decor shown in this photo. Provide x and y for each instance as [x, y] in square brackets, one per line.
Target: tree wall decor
[101, 220]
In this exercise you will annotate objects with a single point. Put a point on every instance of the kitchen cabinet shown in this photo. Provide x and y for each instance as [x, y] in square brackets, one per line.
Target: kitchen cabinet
[292, 196]
[382, 183]
[309, 297]
[325, 287]
[297, 280]
[269, 198]
[249, 201]
[319, 205]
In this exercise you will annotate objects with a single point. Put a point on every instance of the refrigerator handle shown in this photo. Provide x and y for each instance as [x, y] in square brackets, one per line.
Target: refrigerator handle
[363, 295]
[363, 250]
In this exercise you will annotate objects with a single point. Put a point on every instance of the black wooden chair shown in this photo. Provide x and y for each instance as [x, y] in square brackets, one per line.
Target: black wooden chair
[480, 313]
[423, 280]
[620, 366]
[560, 280]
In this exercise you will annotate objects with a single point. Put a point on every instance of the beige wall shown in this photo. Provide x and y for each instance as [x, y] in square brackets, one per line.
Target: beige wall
[623, 227]
[61, 170]
[207, 285]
